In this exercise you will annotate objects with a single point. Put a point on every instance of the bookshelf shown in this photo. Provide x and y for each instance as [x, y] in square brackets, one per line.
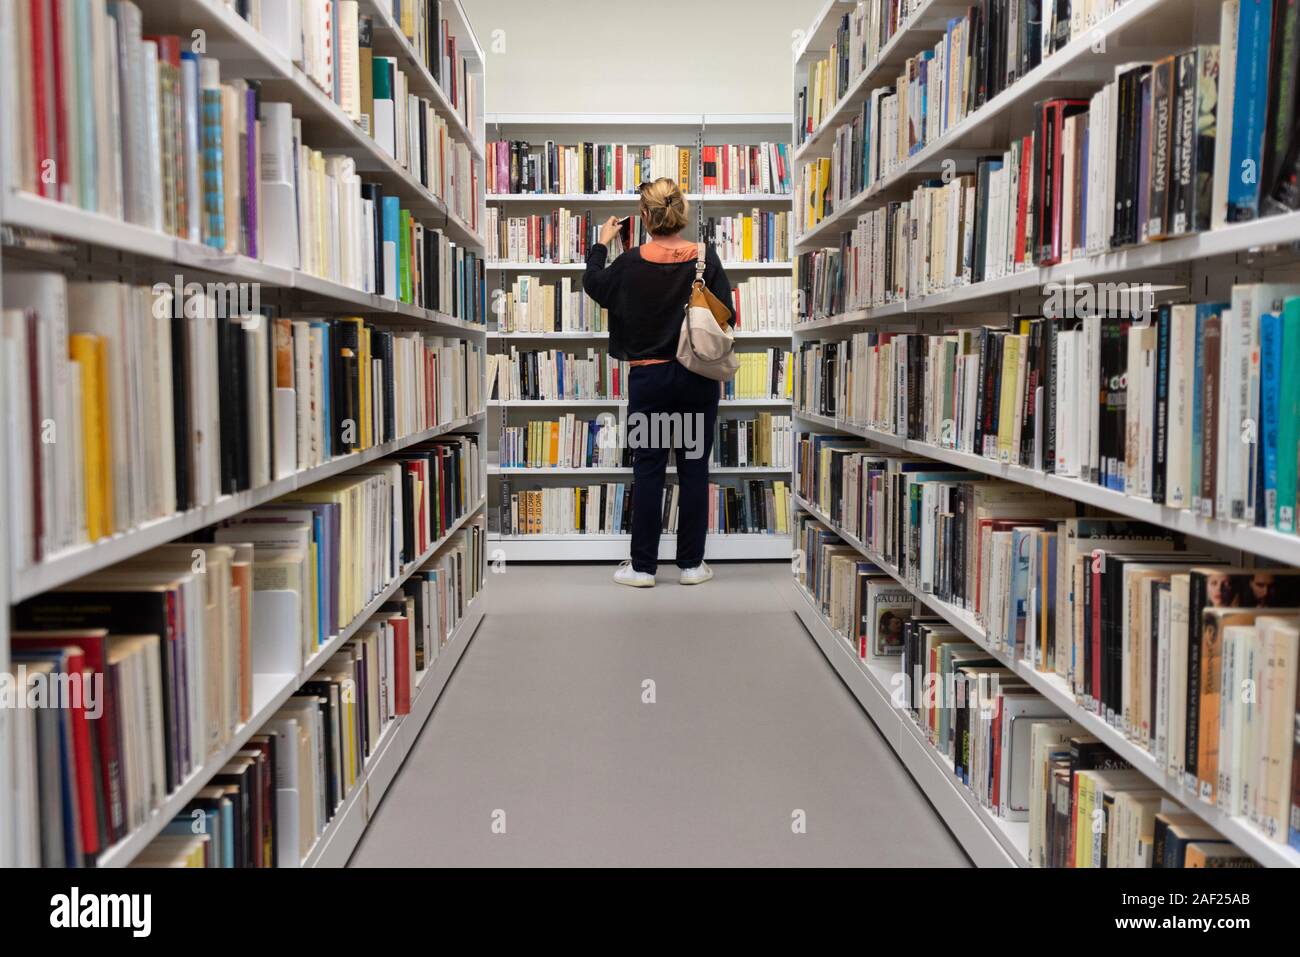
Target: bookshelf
[1196, 267]
[39, 232]
[692, 131]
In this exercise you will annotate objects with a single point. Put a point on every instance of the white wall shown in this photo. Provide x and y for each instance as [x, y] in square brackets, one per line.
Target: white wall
[639, 56]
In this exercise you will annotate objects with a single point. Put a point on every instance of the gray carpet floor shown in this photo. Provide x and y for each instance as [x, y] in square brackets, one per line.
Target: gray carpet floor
[543, 734]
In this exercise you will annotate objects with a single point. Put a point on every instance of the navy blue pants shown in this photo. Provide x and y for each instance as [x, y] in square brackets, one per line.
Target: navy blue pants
[669, 387]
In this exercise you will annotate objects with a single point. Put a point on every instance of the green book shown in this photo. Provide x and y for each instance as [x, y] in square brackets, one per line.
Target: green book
[1288, 426]
[404, 255]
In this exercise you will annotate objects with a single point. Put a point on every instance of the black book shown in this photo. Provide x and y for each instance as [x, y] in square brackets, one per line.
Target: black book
[1284, 74]
[981, 389]
[984, 166]
[1161, 432]
[1031, 33]
[244, 812]
[1182, 145]
[375, 193]
[181, 427]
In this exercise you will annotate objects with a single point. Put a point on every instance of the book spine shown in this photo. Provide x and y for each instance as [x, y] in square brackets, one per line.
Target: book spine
[1248, 110]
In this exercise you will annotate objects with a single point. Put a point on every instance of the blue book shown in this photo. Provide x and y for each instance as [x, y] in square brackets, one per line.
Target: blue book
[1249, 106]
[392, 215]
[326, 388]
[1270, 397]
[1022, 540]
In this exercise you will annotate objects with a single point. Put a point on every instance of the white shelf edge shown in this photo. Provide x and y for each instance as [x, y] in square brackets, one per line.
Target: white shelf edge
[626, 470]
[597, 403]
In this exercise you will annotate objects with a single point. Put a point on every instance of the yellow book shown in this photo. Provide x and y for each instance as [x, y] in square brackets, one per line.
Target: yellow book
[553, 447]
[88, 353]
[313, 594]
[747, 251]
[684, 170]
[1007, 410]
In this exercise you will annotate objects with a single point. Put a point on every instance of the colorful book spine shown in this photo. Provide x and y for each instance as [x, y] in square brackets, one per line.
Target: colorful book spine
[1288, 429]
[1249, 108]
[1270, 394]
[214, 193]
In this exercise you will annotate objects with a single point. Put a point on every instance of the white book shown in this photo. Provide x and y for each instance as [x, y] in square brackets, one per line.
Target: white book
[1067, 395]
[349, 66]
[153, 157]
[1228, 436]
[1090, 381]
[1228, 23]
[1178, 438]
[279, 212]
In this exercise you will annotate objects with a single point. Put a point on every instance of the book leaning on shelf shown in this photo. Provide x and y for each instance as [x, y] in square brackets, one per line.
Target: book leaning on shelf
[748, 507]
[1149, 157]
[1165, 411]
[172, 643]
[273, 801]
[130, 404]
[1154, 638]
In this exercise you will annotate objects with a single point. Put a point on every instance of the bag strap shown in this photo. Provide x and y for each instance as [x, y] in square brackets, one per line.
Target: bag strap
[699, 263]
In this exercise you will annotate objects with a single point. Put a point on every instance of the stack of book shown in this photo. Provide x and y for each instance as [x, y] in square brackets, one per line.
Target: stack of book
[1140, 161]
[1161, 642]
[763, 374]
[514, 167]
[555, 374]
[270, 804]
[759, 237]
[750, 168]
[762, 304]
[530, 305]
[1189, 407]
[145, 132]
[750, 507]
[164, 399]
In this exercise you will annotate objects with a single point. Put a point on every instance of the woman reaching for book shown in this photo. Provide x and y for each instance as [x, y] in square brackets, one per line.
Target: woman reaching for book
[645, 290]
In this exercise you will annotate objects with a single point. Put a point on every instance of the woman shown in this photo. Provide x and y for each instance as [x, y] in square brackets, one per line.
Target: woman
[645, 291]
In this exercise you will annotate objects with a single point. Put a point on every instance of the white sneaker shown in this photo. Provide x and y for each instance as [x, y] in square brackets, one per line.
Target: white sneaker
[627, 575]
[697, 575]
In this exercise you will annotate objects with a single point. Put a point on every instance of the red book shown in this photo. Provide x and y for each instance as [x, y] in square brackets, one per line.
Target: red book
[1022, 200]
[91, 648]
[58, 31]
[997, 751]
[401, 664]
[41, 61]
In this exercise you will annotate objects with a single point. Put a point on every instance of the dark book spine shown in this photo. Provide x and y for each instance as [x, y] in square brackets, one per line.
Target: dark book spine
[981, 390]
[1051, 330]
[181, 426]
[1161, 436]
[1162, 112]
[1202, 198]
[1211, 343]
[1179, 203]
[1196, 598]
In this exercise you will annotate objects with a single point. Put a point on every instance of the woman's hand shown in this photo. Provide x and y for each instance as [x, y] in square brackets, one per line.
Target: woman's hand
[608, 230]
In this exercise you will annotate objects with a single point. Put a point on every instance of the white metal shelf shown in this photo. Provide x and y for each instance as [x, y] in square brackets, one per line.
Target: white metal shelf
[626, 470]
[25, 211]
[271, 691]
[742, 334]
[66, 566]
[605, 547]
[1237, 829]
[822, 32]
[632, 198]
[989, 840]
[1258, 541]
[599, 403]
[733, 265]
[336, 843]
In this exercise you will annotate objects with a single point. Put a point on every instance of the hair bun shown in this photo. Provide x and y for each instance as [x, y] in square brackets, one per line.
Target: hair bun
[664, 208]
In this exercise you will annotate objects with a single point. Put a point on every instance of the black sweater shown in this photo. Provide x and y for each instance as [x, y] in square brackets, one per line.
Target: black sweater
[646, 301]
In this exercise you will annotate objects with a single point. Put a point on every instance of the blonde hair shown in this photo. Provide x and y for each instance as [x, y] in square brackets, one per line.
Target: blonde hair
[663, 207]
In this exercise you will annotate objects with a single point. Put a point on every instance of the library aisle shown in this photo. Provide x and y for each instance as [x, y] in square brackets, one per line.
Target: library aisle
[544, 720]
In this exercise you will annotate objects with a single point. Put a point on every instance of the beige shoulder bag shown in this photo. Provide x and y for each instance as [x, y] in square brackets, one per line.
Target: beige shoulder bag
[706, 345]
